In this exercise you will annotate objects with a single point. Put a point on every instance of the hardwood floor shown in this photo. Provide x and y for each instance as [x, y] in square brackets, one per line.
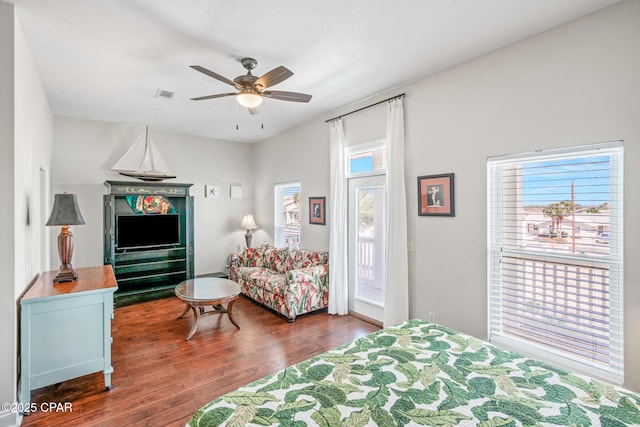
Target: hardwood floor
[160, 379]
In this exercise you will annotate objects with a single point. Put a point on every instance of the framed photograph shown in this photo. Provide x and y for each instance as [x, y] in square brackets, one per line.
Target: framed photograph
[435, 195]
[317, 210]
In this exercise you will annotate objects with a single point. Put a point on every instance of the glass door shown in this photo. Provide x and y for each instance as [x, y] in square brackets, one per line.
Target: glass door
[367, 245]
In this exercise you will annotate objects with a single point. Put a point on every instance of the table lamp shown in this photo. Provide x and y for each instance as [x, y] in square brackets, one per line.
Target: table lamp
[65, 212]
[249, 224]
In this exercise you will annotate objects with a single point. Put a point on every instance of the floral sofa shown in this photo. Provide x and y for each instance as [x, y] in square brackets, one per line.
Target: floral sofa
[291, 282]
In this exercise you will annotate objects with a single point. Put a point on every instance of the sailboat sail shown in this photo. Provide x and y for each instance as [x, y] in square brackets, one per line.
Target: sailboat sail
[143, 161]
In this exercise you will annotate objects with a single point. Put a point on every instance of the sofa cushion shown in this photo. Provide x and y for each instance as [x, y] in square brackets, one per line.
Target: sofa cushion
[304, 259]
[264, 278]
[252, 257]
[277, 259]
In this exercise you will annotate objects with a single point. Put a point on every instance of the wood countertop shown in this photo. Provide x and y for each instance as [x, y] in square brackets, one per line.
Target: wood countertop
[89, 279]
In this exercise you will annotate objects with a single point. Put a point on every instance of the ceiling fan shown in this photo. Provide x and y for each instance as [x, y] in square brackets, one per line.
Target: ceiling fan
[252, 88]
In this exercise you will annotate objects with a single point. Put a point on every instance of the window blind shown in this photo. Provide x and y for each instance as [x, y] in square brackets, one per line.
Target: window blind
[555, 243]
[287, 215]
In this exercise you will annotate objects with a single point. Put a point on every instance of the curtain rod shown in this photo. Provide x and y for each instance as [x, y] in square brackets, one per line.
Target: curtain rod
[364, 108]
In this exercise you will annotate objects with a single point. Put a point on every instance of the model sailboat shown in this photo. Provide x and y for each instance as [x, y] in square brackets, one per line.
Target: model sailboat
[143, 161]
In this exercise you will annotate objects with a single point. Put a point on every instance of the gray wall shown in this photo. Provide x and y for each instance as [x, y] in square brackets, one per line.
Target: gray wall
[26, 136]
[573, 85]
[7, 256]
[86, 150]
[300, 155]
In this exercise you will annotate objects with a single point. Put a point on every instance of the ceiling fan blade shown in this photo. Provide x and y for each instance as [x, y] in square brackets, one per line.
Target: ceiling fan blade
[273, 77]
[212, 74]
[288, 96]
[219, 95]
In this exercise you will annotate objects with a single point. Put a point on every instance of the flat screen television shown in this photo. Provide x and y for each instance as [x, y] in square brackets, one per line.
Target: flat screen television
[144, 231]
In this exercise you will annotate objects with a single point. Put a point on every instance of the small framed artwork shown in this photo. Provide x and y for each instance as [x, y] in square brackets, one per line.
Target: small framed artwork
[435, 195]
[235, 191]
[317, 210]
[212, 191]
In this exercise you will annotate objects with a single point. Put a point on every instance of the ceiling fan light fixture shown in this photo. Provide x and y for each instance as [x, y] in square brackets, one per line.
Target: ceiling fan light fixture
[249, 99]
[252, 88]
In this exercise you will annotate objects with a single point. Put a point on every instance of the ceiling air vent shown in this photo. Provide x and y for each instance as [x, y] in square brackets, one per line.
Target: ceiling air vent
[164, 94]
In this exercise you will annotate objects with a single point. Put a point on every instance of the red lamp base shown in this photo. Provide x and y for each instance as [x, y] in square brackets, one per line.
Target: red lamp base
[65, 250]
[65, 276]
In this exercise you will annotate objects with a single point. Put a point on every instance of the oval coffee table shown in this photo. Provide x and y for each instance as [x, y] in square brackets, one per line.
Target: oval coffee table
[204, 291]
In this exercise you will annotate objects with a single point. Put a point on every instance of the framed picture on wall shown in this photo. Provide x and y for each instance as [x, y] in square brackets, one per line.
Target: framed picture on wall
[317, 210]
[435, 195]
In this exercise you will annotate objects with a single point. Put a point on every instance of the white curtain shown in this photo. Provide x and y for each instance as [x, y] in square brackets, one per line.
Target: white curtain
[338, 271]
[396, 304]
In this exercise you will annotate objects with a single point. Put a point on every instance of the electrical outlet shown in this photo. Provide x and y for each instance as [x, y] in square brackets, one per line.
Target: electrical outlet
[432, 317]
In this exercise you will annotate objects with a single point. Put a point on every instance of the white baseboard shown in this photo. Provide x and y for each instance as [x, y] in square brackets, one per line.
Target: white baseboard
[365, 318]
[10, 419]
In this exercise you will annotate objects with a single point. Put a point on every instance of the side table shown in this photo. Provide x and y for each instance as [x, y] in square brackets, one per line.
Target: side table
[204, 291]
[65, 329]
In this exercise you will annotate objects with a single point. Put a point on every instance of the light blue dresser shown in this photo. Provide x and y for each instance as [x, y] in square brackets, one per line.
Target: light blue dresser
[65, 329]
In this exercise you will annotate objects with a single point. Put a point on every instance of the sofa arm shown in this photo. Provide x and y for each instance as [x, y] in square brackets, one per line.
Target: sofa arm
[235, 260]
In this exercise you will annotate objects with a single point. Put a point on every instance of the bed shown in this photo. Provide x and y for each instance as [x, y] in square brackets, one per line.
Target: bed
[420, 373]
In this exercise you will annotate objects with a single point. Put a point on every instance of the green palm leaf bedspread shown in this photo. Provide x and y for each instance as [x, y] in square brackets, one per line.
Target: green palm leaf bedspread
[420, 373]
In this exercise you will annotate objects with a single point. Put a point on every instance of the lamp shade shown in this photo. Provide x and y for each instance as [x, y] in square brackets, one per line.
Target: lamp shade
[248, 223]
[65, 211]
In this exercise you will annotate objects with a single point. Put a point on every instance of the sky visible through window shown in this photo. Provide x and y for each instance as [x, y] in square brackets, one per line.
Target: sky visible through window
[550, 181]
[361, 164]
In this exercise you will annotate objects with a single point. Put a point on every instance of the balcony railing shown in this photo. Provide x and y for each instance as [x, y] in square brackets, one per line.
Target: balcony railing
[558, 303]
[370, 270]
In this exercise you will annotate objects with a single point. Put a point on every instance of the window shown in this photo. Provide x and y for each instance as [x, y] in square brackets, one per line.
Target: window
[287, 215]
[367, 159]
[555, 256]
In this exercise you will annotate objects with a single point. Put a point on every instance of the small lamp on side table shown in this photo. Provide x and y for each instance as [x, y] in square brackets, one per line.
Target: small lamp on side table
[249, 224]
[65, 212]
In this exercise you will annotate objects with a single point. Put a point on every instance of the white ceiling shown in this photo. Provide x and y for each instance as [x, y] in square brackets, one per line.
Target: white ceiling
[106, 59]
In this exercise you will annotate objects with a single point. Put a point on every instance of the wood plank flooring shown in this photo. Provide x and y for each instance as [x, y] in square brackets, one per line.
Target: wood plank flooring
[160, 379]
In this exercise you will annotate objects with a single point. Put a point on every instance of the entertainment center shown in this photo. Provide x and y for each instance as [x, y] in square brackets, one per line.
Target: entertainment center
[148, 236]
